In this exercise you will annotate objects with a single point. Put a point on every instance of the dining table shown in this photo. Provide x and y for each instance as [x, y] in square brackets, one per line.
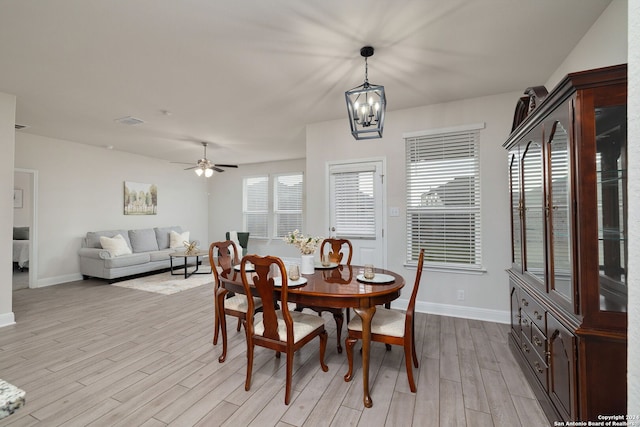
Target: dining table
[336, 286]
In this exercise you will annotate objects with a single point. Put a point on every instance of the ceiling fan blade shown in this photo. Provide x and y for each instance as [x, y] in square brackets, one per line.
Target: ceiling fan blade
[217, 169]
[192, 167]
[182, 163]
[226, 166]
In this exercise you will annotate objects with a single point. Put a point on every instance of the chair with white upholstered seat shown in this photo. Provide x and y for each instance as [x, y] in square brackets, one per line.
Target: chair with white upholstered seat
[279, 330]
[233, 305]
[390, 327]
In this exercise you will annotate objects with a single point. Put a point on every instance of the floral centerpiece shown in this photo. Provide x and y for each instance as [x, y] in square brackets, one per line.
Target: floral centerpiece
[307, 246]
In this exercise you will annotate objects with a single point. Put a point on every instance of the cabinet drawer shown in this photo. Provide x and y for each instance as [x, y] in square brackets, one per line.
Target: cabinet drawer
[536, 363]
[534, 310]
[539, 342]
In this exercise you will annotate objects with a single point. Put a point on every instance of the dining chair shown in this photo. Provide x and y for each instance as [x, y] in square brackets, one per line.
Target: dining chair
[234, 304]
[337, 249]
[390, 327]
[279, 329]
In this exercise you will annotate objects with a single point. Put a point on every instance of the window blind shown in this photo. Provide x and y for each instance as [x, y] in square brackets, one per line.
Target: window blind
[256, 205]
[443, 197]
[353, 203]
[287, 194]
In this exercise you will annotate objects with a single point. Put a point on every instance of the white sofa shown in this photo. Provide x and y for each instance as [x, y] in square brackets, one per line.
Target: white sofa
[149, 252]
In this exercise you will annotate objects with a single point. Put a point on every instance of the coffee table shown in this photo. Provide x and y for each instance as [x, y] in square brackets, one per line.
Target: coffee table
[185, 256]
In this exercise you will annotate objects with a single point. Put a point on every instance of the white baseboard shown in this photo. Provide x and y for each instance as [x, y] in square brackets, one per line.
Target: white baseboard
[475, 313]
[7, 319]
[49, 281]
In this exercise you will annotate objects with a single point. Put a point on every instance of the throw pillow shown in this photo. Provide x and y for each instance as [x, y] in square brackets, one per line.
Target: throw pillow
[115, 245]
[143, 240]
[176, 240]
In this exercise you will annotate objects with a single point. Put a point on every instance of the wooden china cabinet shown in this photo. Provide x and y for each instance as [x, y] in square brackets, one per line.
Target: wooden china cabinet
[568, 279]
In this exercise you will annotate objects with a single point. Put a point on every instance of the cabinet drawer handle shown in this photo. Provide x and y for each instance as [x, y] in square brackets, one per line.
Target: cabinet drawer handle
[538, 315]
[537, 341]
[526, 348]
[525, 322]
[538, 368]
[525, 302]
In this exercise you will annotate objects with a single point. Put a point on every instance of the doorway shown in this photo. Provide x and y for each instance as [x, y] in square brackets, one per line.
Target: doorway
[356, 201]
[25, 183]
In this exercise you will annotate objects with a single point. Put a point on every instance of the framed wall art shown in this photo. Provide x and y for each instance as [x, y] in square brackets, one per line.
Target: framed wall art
[140, 199]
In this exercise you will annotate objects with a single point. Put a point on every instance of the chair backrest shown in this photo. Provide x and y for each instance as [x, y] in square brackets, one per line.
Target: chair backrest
[242, 239]
[262, 284]
[412, 301]
[225, 261]
[336, 250]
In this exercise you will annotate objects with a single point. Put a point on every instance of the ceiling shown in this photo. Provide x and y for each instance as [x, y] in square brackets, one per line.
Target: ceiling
[247, 76]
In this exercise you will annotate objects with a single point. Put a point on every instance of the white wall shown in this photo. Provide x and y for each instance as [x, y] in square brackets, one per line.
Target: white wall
[225, 206]
[486, 295]
[80, 189]
[604, 44]
[7, 122]
[633, 114]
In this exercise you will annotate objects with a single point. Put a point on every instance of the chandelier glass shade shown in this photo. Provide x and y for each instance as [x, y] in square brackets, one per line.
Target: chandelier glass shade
[366, 105]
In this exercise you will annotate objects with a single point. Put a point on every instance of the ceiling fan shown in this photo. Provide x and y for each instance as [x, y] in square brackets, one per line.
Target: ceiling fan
[206, 166]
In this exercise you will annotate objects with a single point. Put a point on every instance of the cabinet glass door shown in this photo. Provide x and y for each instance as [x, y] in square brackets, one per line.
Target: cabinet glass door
[611, 172]
[533, 203]
[559, 212]
[516, 207]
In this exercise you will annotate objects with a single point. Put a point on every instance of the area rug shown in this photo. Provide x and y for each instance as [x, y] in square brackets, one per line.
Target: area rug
[165, 283]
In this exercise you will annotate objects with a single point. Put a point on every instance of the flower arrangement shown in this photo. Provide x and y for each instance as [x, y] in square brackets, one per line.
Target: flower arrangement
[306, 244]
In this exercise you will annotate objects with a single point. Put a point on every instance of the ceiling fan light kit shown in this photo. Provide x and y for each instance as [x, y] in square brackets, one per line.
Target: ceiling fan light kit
[366, 105]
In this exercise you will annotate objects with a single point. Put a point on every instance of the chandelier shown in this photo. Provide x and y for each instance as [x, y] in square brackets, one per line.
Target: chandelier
[366, 105]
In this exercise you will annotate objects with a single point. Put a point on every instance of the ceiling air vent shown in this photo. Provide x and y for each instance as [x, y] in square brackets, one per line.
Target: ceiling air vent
[20, 127]
[130, 121]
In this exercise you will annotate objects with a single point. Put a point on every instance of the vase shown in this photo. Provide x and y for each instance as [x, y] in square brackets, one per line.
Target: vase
[306, 265]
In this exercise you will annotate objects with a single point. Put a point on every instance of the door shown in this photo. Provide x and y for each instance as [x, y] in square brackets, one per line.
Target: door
[356, 192]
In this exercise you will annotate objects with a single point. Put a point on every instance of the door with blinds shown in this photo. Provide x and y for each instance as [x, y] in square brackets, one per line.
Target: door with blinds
[356, 209]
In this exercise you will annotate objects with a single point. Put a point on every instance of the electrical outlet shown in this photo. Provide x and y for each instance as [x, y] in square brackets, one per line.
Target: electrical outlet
[460, 294]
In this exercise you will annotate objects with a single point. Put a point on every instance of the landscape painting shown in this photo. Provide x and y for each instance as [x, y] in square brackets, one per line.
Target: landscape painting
[140, 199]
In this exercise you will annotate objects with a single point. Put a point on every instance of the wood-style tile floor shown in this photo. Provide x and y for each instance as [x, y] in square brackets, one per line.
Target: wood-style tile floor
[91, 354]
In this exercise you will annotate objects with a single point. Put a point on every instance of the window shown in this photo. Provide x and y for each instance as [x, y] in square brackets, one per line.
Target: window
[256, 205]
[287, 204]
[443, 197]
[273, 210]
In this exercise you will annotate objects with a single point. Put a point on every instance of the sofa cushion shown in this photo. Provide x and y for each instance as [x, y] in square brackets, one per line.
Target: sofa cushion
[162, 235]
[176, 240]
[162, 255]
[93, 237]
[20, 233]
[115, 245]
[126, 260]
[143, 240]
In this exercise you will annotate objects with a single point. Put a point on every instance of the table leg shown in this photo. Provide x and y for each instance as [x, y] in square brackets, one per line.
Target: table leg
[366, 314]
[185, 267]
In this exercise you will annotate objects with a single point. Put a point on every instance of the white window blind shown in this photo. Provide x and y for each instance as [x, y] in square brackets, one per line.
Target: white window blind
[353, 203]
[256, 205]
[287, 203]
[443, 197]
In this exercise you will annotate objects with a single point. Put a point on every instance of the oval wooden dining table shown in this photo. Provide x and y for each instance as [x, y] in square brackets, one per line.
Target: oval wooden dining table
[337, 287]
